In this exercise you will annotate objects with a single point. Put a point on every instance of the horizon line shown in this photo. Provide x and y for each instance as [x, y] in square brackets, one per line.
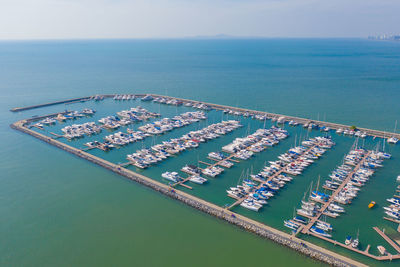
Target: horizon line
[199, 37]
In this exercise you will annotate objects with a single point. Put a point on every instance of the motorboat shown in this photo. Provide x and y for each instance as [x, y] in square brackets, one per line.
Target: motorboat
[171, 176]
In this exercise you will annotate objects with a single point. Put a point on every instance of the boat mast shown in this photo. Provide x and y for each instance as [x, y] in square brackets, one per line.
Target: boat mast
[311, 188]
[240, 177]
[383, 146]
[265, 120]
[304, 196]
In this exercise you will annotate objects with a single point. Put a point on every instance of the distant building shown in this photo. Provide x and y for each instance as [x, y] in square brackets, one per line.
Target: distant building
[391, 37]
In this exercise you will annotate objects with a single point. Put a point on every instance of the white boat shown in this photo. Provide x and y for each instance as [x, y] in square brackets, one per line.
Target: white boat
[348, 240]
[324, 226]
[171, 176]
[250, 206]
[355, 242]
[197, 179]
[336, 208]
[291, 225]
[393, 140]
[320, 232]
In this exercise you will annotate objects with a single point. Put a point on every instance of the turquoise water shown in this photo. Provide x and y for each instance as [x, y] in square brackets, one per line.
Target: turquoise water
[59, 210]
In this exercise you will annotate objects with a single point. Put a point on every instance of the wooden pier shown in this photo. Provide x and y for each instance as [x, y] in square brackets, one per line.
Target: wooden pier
[283, 169]
[306, 229]
[182, 182]
[390, 241]
[205, 163]
[392, 220]
[126, 164]
[38, 127]
[57, 135]
[362, 252]
[217, 162]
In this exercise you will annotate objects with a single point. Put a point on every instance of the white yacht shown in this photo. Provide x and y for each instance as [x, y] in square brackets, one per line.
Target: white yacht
[250, 205]
[171, 176]
[197, 179]
[393, 140]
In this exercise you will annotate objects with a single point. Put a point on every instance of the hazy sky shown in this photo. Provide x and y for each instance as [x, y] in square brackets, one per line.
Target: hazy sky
[51, 19]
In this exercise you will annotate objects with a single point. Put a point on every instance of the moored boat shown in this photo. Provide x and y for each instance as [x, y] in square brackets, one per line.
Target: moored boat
[320, 232]
[348, 240]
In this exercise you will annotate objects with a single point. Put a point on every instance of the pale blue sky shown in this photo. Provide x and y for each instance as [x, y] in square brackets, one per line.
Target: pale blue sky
[53, 19]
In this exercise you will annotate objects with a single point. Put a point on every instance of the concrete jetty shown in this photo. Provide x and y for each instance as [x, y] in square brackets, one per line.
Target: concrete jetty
[243, 222]
[80, 99]
[331, 125]
[334, 126]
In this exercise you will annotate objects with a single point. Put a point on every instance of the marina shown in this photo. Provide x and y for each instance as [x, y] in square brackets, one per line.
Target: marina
[267, 180]
[277, 174]
[243, 222]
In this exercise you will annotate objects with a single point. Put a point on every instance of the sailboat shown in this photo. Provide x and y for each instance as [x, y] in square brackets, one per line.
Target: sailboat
[356, 242]
[393, 140]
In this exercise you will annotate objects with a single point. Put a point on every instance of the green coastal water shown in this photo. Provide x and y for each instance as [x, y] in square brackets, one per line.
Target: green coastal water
[60, 210]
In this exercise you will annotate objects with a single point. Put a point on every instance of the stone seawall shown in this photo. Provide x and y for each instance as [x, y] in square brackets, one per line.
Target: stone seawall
[245, 223]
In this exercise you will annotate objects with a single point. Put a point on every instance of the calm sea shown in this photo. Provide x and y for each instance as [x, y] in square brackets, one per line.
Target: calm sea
[56, 209]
